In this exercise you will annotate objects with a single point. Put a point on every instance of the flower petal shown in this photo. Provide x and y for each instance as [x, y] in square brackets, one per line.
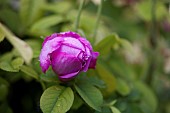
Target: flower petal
[48, 47]
[93, 60]
[70, 34]
[86, 58]
[68, 77]
[49, 38]
[73, 42]
[70, 50]
[86, 43]
[65, 65]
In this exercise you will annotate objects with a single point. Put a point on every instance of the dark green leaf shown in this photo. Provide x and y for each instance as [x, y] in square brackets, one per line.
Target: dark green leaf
[58, 7]
[90, 94]
[149, 100]
[96, 82]
[107, 77]
[105, 109]
[126, 45]
[56, 99]
[114, 110]
[29, 71]
[11, 19]
[30, 11]
[144, 10]
[77, 102]
[112, 103]
[3, 89]
[6, 57]
[16, 63]
[36, 44]
[22, 47]
[49, 76]
[12, 66]
[46, 22]
[2, 36]
[4, 108]
[105, 45]
[122, 87]
[122, 69]
[6, 66]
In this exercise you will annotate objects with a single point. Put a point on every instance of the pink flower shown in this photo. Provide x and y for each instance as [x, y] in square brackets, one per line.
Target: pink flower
[68, 53]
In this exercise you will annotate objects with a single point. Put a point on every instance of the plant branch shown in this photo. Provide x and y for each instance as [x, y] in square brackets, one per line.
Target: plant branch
[79, 14]
[42, 85]
[97, 21]
[153, 43]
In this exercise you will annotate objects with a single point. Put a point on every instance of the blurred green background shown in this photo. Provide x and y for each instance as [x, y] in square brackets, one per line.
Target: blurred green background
[133, 38]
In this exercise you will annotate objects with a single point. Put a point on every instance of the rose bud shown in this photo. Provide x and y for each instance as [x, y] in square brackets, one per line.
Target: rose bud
[68, 53]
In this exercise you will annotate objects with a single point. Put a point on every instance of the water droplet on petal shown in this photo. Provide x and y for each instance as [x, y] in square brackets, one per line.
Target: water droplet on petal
[86, 57]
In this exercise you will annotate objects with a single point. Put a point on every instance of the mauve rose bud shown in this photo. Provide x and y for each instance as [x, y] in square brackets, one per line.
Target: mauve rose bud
[68, 53]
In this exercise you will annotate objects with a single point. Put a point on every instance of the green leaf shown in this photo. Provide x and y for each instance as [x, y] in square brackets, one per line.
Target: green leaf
[122, 87]
[126, 45]
[3, 89]
[107, 77]
[46, 22]
[11, 19]
[112, 102]
[4, 108]
[17, 63]
[56, 99]
[105, 109]
[2, 36]
[58, 7]
[6, 66]
[6, 57]
[119, 66]
[30, 11]
[144, 11]
[36, 44]
[105, 45]
[22, 47]
[29, 71]
[114, 110]
[77, 102]
[90, 94]
[96, 82]
[149, 100]
[49, 76]
[2, 80]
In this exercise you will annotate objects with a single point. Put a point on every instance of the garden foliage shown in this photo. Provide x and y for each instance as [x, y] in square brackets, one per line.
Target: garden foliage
[132, 73]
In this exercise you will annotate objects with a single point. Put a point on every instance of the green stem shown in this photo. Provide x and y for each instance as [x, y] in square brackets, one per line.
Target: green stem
[153, 43]
[79, 14]
[97, 21]
[42, 85]
[153, 37]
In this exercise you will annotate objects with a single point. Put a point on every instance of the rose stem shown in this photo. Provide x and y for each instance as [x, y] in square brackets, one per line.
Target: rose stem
[99, 11]
[42, 85]
[153, 43]
[78, 15]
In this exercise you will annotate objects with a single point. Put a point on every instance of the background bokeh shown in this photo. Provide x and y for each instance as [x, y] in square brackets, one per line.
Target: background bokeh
[133, 38]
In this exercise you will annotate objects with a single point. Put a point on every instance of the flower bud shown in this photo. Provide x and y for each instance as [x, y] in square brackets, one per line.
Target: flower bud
[68, 53]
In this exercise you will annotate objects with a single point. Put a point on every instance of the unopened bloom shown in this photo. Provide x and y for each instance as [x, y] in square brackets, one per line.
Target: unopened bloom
[68, 53]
